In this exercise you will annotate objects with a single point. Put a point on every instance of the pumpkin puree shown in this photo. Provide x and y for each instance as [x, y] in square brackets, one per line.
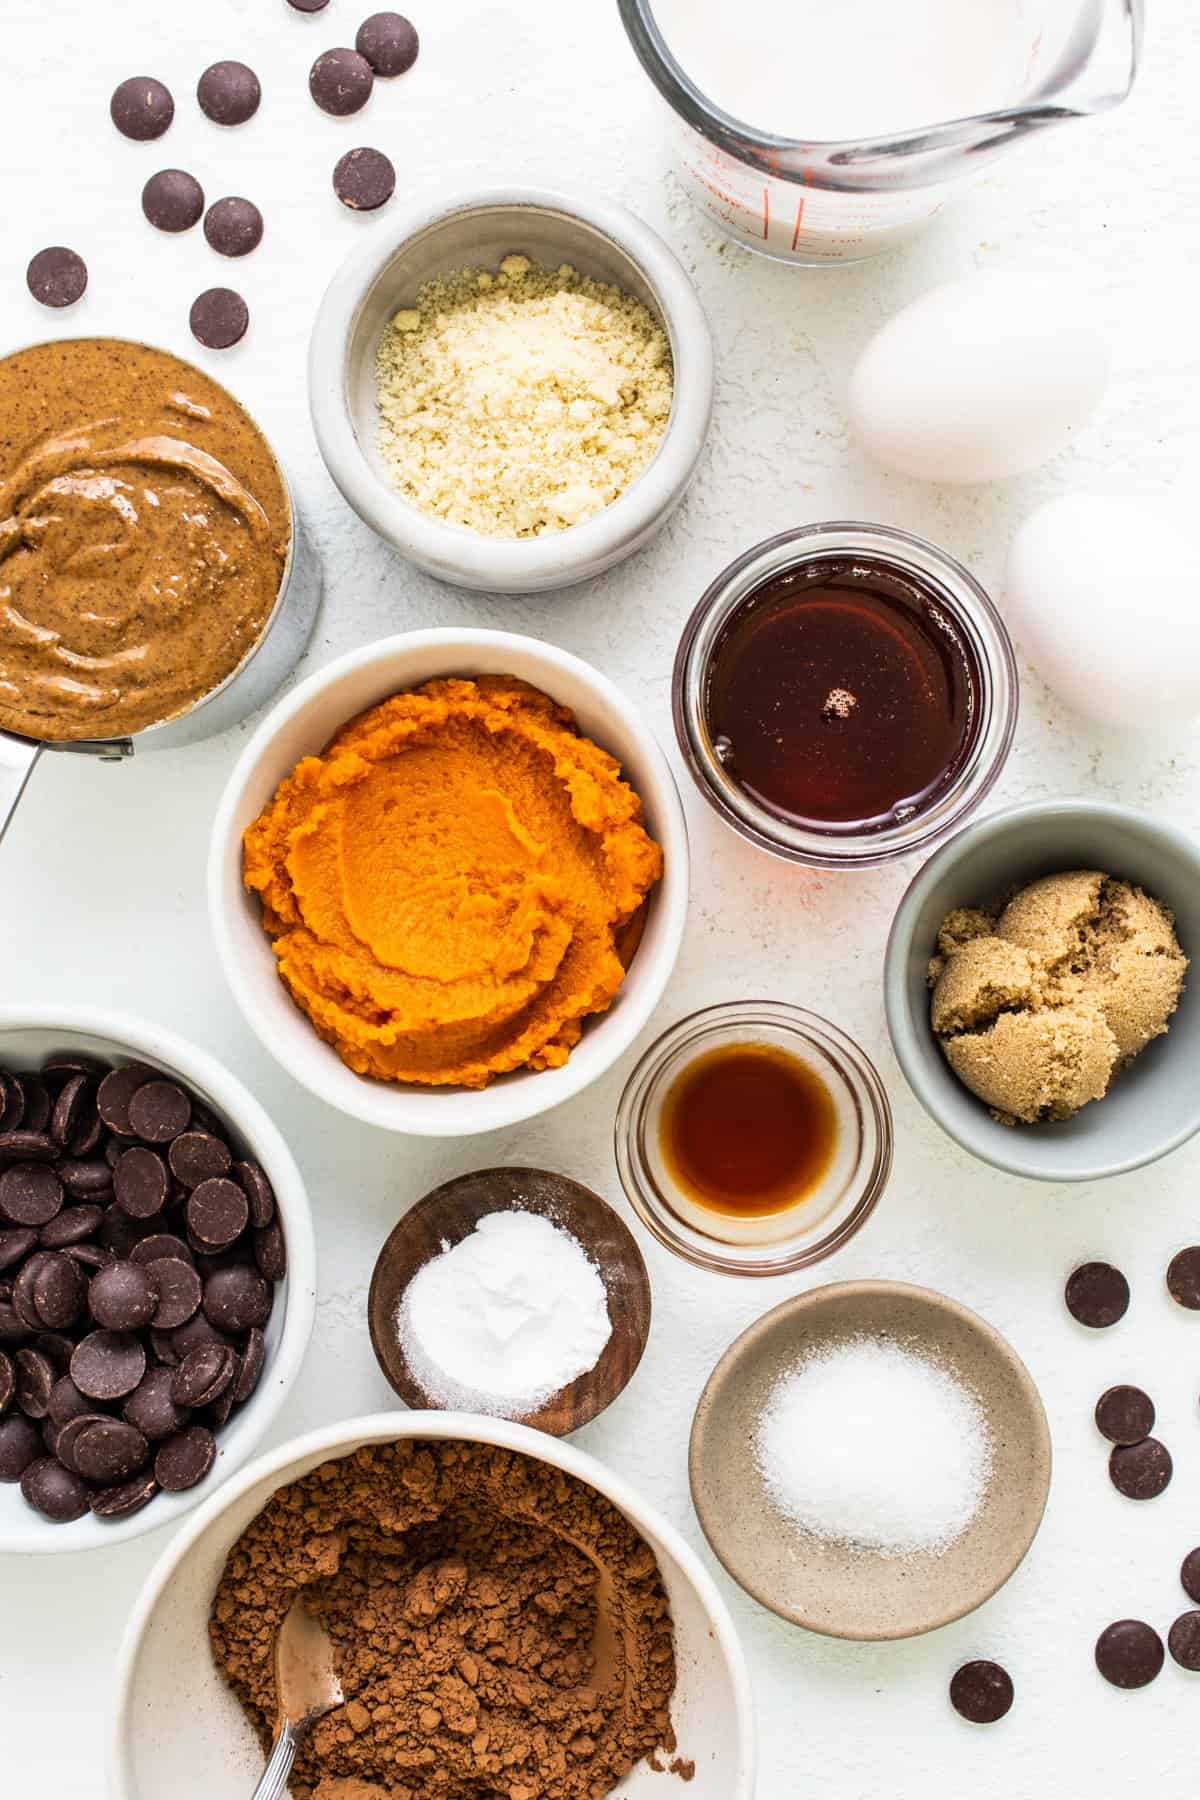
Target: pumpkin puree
[454, 885]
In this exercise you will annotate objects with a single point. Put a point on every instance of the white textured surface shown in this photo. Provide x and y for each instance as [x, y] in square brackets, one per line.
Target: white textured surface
[101, 879]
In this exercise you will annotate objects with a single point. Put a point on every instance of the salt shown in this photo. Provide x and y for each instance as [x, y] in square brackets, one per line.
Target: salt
[506, 1318]
[868, 1443]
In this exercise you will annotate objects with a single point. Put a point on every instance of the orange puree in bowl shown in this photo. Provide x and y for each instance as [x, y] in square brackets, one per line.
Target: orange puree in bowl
[448, 887]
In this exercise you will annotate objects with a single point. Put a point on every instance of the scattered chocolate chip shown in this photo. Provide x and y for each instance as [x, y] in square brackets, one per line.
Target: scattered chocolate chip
[1129, 1653]
[57, 276]
[270, 1252]
[185, 1459]
[258, 1191]
[54, 1491]
[142, 108]
[364, 179]
[1140, 1471]
[74, 1225]
[1124, 1415]
[124, 1297]
[22, 1293]
[219, 318]
[20, 1444]
[30, 1194]
[179, 1292]
[16, 1244]
[116, 1091]
[217, 1214]
[197, 1156]
[1097, 1295]
[172, 200]
[107, 1365]
[204, 1373]
[129, 1497]
[1183, 1278]
[35, 1379]
[66, 1402]
[340, 81]
[151, 1408]
[70, 1107]
[1189, 1575]
[59, 1291]
[237, 1298]
[389, 42]
[250, 1366]
[982, 1692]
[140, 1182]
[8, 1381]
[1183, 1641]
[160, 1110]
[160, 1245]
[229, 93]
[27, 1146]
[82, 1176]
[233, 226]
[109, 1450]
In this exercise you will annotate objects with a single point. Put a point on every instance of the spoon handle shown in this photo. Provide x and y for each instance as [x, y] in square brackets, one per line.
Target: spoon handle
[283, 1754]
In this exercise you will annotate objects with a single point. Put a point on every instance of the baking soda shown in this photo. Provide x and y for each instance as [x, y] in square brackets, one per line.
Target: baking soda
[849, 68]
[867, 1443]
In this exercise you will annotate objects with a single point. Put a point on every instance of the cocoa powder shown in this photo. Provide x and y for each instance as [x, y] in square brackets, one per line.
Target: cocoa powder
[501, 1631]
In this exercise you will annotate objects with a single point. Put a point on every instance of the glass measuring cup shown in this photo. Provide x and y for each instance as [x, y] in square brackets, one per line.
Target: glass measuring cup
[842, 200]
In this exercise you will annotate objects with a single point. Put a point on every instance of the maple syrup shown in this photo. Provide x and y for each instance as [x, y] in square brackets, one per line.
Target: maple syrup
[840, 696]
[748, 1130]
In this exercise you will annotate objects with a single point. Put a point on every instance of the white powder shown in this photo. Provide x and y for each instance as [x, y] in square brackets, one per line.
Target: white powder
[506, 1319]
[867, 1443]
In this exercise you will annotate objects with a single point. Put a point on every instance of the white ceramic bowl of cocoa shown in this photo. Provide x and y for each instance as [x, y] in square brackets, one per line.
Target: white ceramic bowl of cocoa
[179, 1730]
[26, 1040]
[301, 725]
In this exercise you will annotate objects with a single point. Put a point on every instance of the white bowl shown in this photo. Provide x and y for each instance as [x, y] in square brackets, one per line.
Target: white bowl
[598, 237]
[303, 724]
[24, 1042]
[179, 1730]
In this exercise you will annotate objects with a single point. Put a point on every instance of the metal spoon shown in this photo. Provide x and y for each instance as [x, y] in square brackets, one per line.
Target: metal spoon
[307, 1687]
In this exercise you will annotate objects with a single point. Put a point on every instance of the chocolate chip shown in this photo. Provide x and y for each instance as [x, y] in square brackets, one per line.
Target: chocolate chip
[219, 318]
[109, 1450]
[364, 179]
[185, 1459]
[30, 1194]
[172, 200]
[160, 1245]
[66, 1402]
[237, 1298]
[12, 1101]
[982, 1692]
[228, 93]
[119, 1232]
[8, 1381]
[217, 1214]
[142, 108]
[38, 1105]
[233, 226]
[1129, 1653]
[1124, 1415]
[389, 42]
[164, 1350]
[197, 1156]
[90, 1256]
[258, 1191]
[59, 1290]
[70, 1108]
[54, 1491]
[140, 1182]
[179, 1292]
[13, 1329]
[82, 1176]
[1189, 1575]
[196, 1331]
[270, 1252]
[204, 1373]
[159, 1111]
[124, 1297]
[1140, 1471]
[1183, 1641]
[22, 1293]
[1183, 1278]
[74, 1225]
[1097, 1295]
[57, 1346]
[70, 1434]
[151, 1408]
[27, 1146]
[116, 1091]
[340, 81]
[308, 6]
[63, 1063]
[250, 1366]
[57, 276]
[20, 1444]
[107, 1365]
[16, 1244]
[35, 1379]
[129, 1497]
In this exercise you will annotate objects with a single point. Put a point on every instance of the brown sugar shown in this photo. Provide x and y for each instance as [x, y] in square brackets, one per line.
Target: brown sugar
[499, 1628]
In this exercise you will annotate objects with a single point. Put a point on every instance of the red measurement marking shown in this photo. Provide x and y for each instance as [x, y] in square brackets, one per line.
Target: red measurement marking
[766, 212]
[799, 222]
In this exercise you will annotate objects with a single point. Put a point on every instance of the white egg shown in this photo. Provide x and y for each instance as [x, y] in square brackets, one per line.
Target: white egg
[980, 379]
[1103, 595]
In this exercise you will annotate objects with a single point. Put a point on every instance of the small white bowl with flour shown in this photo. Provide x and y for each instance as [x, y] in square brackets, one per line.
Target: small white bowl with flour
[604, 242]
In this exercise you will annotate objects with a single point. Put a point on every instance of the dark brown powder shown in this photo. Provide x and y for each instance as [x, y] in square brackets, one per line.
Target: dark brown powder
[501, 1631]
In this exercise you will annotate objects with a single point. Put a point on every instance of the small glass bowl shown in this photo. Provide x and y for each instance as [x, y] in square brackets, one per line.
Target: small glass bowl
[967, 612]
[776, 1243]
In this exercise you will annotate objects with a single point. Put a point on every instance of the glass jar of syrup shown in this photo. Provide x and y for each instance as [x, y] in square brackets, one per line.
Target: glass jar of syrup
[845, 694]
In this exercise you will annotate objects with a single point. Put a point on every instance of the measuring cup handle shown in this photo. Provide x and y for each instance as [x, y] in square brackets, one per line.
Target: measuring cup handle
[17, 757]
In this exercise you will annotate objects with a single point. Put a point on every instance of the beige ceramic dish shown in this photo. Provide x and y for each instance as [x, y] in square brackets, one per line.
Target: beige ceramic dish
[829, 1587]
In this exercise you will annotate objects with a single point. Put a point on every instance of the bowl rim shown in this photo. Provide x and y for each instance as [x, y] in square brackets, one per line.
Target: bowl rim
[989, 1145]
[346, 1435]
[556, 556]
[812, 1300]
[380, 1103]
[254, 1123]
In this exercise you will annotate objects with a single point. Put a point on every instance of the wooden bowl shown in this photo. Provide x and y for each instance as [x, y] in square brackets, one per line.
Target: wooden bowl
[451, 1213]
[832, 1587]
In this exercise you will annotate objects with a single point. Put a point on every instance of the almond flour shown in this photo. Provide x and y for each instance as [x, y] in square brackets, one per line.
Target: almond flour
[521, 402]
